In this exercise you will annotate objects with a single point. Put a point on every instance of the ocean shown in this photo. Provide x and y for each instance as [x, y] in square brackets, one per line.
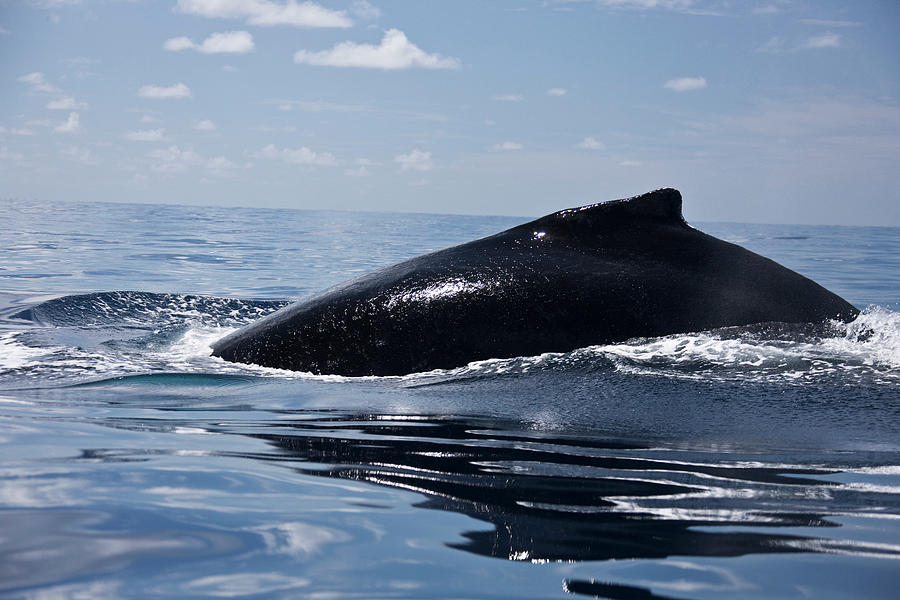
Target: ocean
[745, 462]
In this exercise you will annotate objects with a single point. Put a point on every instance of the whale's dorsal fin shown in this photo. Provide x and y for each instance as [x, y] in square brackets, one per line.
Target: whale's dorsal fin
[661, 205]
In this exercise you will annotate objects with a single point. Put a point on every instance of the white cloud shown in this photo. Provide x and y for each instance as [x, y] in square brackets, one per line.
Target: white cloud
[826, 23]
[322, 106]
[826, 40]
[773, 45]
[417, 160]
[177, 44]
[146, 135]
[556, 92]
[360, 171]
[38, 83]
[631, 163]
[71, 125]
[149, 119]
[394, 52]
[688, 7]
[267, 129]
[219, 163]
[592, 143]
[318, 106]
[508, 97]
[228, 42]
[205, 125]
[685, 84]
[814, 118]
[81, 60]
[66, 103]
[175, 160]
[364, 10]
[266, 12]
[49, 4]
[236, 42]
[80, 155]
[676, 5]
[767, 9]
[5, 154]
[3, 30]
[508, 146]
[299, 156]
[177, 91]
[32, 78]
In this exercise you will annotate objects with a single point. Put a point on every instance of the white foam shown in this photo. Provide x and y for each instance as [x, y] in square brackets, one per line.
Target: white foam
[866, 349]
[193, 352]
[194, 344]
[14, 354]
[881, 470]
[874, 337]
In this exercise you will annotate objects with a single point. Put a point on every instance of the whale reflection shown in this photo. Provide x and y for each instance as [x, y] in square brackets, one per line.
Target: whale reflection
[561, 498]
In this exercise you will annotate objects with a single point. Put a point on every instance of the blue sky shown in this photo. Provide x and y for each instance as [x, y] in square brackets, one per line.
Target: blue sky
[780, 111]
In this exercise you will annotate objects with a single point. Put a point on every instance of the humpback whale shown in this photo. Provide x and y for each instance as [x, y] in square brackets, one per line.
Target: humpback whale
[597, 274]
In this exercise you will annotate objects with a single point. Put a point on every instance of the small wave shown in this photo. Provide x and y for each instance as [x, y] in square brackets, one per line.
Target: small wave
[127, 308]
[866, 349]
[14, 354]
[111, 334]
[874, 337]
[869, 347]
[173, 379]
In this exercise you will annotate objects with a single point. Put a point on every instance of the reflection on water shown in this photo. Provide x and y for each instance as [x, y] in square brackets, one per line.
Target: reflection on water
[613, 591]
[566, 499]
[237, 501]
[61, 544]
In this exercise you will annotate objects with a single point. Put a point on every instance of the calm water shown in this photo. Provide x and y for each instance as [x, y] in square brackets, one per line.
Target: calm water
[753, 462]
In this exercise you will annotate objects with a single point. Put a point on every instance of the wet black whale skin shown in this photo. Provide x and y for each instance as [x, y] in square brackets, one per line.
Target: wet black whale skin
[596, 274]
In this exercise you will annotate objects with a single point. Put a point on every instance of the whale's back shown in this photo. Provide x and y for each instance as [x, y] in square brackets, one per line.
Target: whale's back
[578, 277]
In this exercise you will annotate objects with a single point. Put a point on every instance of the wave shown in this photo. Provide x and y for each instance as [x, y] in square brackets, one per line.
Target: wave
[127, 308]
[867, 348]
[105, 335]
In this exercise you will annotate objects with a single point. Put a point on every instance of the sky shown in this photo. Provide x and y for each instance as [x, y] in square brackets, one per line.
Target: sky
[778, 111]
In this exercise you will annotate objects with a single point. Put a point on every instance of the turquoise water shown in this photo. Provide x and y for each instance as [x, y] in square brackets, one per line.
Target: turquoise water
[753, 462]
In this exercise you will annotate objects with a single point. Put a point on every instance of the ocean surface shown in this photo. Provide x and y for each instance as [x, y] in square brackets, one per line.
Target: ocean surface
[746, 462]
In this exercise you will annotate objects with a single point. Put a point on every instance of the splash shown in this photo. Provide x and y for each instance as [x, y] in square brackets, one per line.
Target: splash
[124, 333]
[873, 337]
[866, 350]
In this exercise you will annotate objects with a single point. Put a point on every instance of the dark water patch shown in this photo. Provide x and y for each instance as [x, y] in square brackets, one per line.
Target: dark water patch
[177, 257]
[192, 241]
[32, 246]
[552, 501]
[107, 273]
[611, 591]
[170, 380]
